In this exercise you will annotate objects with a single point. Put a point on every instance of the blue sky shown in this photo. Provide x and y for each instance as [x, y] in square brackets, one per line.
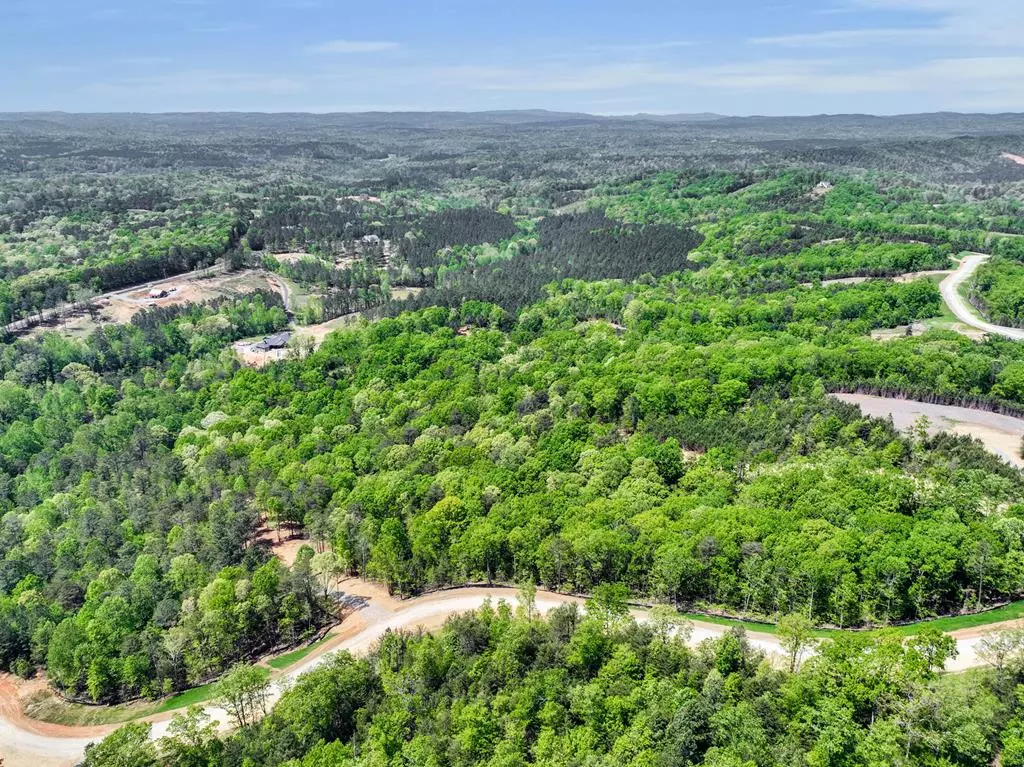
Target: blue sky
[627, 56]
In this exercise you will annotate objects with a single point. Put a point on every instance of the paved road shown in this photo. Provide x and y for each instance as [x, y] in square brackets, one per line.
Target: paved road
[950, 288]
[25, 744]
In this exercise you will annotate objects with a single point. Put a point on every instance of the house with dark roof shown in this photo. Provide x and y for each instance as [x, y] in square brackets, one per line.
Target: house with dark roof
[276, 341]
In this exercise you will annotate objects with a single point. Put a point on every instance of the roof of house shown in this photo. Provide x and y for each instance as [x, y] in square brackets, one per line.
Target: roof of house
[276, 341]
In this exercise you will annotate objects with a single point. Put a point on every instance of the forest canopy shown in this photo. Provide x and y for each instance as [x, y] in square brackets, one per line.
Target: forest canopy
[598, 358]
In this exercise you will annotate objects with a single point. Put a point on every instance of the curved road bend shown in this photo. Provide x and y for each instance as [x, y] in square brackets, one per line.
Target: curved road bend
[950, 289]
[27, 744]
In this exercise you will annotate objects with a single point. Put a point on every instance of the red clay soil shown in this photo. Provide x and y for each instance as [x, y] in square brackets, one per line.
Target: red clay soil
[14, 692]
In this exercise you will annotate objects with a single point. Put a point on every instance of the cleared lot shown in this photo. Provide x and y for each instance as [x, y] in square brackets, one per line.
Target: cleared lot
[1000, 434]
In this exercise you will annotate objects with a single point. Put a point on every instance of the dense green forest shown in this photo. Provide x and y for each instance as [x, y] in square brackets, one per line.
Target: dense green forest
[573, 358]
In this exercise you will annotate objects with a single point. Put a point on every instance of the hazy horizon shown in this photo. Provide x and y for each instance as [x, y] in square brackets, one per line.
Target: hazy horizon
[881, 57]
[697, 116]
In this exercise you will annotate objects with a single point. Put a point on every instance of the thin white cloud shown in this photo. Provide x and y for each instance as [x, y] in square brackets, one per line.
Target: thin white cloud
[853, 38]
[980, 82]
[963, 23]
[354, 46]
[224, 29]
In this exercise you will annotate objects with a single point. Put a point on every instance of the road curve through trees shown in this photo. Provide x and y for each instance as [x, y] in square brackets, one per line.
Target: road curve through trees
[24, 742]
[950, 289]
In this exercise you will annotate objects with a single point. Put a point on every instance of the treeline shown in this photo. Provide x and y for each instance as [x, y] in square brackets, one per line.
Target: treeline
[420, 241]
[346, 289]
[251, 313]
[157, 266]
[88, 196]
[585, 246]
[156, 255]
[997, 290]
[821, 262]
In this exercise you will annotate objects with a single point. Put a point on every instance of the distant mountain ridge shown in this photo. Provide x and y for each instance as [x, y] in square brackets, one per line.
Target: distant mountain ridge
[744, 128]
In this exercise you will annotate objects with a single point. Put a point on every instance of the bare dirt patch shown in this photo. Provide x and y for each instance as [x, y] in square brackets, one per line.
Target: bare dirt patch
[317, 333]
[283, 544]
[401, 294]
[900, 331]
[911, 276]
[292, 258]
[1013, 158]
[1000, 434]
[79, 325]
[845, 281]
[122, 306]
[21, 737]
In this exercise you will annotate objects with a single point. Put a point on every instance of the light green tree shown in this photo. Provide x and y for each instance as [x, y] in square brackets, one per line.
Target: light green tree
[795, 636]
[243, 691]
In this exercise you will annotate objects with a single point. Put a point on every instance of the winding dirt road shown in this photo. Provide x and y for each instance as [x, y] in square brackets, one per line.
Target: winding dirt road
[28, 743]
[950, 289]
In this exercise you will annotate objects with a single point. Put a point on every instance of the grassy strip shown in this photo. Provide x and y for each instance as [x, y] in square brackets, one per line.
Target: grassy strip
[293, 657]
[56, 711]
[761, 628]
[1010, 612]
[187, 698]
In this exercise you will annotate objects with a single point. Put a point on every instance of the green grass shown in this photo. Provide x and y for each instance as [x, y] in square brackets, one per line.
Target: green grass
[188, 698]
[54, 710]
[749, 625]
[293, 657]
[1010, 612]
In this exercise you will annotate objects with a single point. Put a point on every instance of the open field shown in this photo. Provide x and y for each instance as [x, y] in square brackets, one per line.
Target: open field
[122, 306]
[195, 287]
